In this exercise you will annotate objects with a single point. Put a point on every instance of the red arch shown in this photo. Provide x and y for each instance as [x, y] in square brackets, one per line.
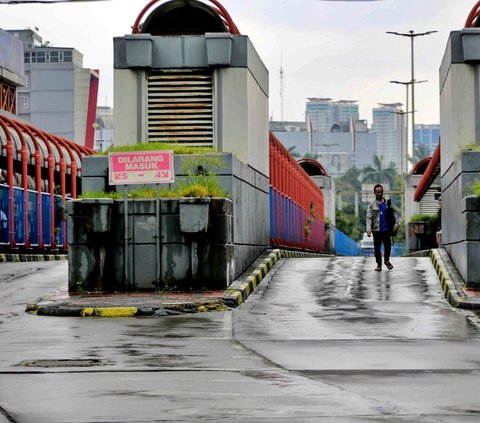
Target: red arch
[473, 15]
[219, 8]
[315, 163]
[419, 165]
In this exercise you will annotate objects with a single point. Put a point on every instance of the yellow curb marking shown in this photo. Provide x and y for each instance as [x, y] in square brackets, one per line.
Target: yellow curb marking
[253, 280]
[109, 311]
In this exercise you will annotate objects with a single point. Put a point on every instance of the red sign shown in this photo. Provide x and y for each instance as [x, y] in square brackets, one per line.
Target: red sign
[141, 167]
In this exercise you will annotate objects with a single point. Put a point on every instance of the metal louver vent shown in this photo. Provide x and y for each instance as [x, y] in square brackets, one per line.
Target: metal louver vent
[180, 107]
[428, 204]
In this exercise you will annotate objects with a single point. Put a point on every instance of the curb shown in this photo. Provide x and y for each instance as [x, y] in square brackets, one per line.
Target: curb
[241, 289]
[167, 309]
[450, 281]
[17, 258]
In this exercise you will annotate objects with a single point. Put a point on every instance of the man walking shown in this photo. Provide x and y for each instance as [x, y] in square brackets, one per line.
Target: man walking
[376, 222]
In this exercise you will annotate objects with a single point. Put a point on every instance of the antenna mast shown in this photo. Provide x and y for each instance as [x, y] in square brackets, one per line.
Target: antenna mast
[281, 86]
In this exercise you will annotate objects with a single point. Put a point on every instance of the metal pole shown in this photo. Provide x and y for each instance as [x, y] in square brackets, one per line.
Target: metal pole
[157, 211]
[125, 238]
[412, 35]
[410, 146]
[406, 131]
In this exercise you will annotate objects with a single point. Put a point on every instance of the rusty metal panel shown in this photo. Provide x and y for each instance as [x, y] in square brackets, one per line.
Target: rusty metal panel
[180, 106]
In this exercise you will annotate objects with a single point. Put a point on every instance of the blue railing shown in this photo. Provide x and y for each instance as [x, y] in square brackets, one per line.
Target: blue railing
[346, 246]
[33, 221]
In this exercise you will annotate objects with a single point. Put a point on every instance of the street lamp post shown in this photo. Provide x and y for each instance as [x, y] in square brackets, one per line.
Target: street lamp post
[327, 146]
[412, 36]
[409, 146]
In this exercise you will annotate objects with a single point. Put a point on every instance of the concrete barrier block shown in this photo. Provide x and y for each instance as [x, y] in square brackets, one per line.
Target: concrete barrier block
[95, 166]
[138, 50]
[472, 226]
[471, 203]
[470, 160]
[94, 184]
[194, 217]
[219, 48]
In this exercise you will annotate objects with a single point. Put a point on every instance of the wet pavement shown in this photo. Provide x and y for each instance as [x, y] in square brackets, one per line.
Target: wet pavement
[320, 340]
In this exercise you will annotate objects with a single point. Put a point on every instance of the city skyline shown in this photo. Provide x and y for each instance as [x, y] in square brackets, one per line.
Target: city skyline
[325, 48]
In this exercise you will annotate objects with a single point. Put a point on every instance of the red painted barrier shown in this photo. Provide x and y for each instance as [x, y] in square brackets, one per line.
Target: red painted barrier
[296, 203]
[23, 141]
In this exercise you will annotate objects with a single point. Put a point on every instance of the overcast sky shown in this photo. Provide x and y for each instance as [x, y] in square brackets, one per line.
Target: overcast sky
[328, 48]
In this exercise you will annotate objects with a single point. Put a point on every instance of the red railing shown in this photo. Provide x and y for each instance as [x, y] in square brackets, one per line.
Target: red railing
[23, 142]
[296, 203]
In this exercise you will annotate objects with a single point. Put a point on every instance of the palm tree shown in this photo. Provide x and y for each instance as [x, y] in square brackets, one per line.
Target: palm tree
[378, 173]
[421, 151]
[292, 150]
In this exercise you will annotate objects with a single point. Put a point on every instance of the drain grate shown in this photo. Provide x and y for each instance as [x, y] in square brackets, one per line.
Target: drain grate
[90, 362]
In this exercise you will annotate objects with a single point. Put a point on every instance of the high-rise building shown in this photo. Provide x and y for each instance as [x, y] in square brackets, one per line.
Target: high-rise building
[389, 125]
[428, 135]
[60, 95]
[326, 115]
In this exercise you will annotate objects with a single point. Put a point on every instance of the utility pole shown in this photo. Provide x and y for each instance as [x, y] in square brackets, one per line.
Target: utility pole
[412, 36]
[407, 111]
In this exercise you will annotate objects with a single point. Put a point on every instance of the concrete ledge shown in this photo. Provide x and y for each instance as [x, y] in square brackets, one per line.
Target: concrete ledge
[16, 258]
[451, 282]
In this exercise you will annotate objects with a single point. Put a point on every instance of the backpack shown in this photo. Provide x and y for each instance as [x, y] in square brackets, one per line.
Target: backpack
[390, 217]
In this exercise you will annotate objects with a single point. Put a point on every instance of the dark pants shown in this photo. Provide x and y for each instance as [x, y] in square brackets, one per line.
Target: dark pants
[378, 238]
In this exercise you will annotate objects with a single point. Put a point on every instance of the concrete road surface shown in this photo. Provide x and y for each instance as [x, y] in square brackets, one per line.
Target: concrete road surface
[321, 340]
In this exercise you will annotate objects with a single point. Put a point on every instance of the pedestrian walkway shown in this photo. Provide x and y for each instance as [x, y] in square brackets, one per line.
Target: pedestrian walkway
[167, 303]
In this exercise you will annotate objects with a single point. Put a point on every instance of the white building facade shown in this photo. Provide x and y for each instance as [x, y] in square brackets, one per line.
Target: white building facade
[60, 95]
[389, 125]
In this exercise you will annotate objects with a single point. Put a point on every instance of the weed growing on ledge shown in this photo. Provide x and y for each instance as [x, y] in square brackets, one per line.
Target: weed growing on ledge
[151, 146]
[476, 188]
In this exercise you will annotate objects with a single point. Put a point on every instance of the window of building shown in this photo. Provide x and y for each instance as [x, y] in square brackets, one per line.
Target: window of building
[54, 56]
[47, 57]
[60, 56]
[68, 56]
[27, 57]
[23, 101]
[40, 57]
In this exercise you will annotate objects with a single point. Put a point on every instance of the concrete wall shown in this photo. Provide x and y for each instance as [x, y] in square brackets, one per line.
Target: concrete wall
[242, 117]
[168, 255]
[248, 188]
[460, 126]
[130, 105]
[461, 216]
